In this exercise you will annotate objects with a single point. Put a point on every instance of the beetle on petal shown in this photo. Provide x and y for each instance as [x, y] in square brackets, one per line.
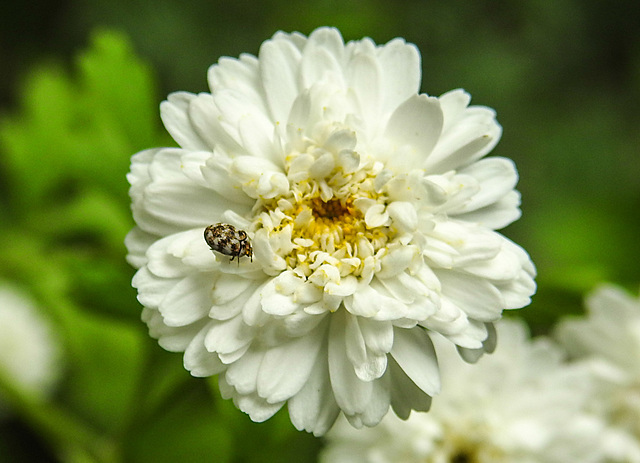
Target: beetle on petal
[225, 239]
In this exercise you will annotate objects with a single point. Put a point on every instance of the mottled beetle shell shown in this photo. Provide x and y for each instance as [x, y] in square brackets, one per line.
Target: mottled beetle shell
[225, 239]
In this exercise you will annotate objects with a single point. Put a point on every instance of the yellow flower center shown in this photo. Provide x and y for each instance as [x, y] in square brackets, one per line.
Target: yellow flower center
[325, 220]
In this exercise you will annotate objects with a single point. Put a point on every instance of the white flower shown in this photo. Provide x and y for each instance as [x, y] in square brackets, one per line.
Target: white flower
[29, 350]
[371, 217]
[610, 334]
[522, 404]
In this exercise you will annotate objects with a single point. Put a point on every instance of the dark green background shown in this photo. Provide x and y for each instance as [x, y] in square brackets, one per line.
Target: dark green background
[563, 76]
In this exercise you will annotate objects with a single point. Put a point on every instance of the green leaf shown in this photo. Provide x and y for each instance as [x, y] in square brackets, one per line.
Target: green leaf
[81, 130]
[105, 366]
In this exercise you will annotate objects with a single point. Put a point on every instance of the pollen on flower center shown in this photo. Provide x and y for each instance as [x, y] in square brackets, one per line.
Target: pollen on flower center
[333, 226]
[328, 218]
[342, 221]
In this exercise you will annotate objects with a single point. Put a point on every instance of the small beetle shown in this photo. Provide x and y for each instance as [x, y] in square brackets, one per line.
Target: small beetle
[225, 239]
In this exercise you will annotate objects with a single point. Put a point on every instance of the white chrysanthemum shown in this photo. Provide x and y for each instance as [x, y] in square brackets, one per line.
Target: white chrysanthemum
[371, 216]
[29, 350]
[610, 333]
[522, 404]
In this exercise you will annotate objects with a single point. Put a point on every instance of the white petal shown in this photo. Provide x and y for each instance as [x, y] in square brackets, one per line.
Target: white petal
[403, 214]
[415, 124]
[228, 287]
[228, 336]
[352, 395]
[497, 177]
[274, 301]
[279, 63]
[377, 407]
[472, 245]
[368, 365]
[505, 266]
[414, 352]
[453, 104]
[320, 64]
[188, 300]
[151, 289]
[477, 297]
[164, 263]
[386, 307]
[257, 408]
[376, 216]
[175, 116]
[345, 287]
[199, 361]
[172, 202]
[396, 262]
[243, 374]
[314, 408]
[271, 262]
[471, 137]
[247, 124]
[211, 126]
[228, 307]
[173, 339]
[139, 177]
[364, 75]
[471, 337]
[252, 312]
[497, 215]
[329, 39]
[257, 135]
[517, 293]
[448, 320]
[405, 394]
[240, 75]
[400, 64]
[360, 303]
[286, 368]
[300, 323]
[259, 177]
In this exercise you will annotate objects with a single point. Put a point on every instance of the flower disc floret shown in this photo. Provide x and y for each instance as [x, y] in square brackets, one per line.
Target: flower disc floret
[370, 214]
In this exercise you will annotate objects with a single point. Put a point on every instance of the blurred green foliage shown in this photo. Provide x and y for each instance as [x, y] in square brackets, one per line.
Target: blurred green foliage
[564, 77]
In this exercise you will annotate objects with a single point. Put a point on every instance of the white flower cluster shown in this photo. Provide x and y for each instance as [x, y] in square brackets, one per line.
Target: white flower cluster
[610, 337]
[29, 349]
[525, 403]
[367, 216]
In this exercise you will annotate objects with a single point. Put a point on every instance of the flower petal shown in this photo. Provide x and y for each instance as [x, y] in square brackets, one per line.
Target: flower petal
[368, 364]
[352, 395]
[400, 63]
[414, 352]
[405, 394]
[224, 337]
[256, 407]
[175, 117]
[413, 130]
[473, 135]
[497, 215]
[321, 58]
[314, 408]
[240, 75]
[185, 302]
[496, 176]
[279, 61]
[199, 361]
[477, 297]
[364, 75]
[286, 368]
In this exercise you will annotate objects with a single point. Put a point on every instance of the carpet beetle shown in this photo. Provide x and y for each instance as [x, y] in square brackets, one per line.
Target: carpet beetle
[225, 239]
